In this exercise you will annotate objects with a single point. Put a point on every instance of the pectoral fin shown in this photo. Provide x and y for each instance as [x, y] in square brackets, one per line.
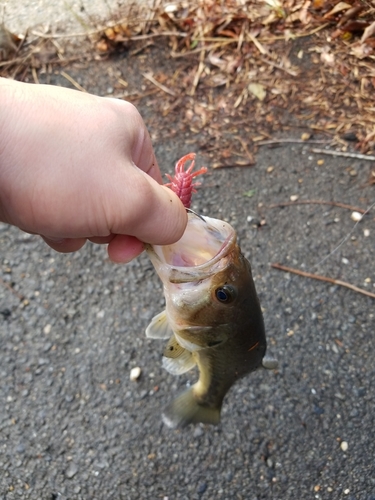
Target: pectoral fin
[159, 327]
[176, 359]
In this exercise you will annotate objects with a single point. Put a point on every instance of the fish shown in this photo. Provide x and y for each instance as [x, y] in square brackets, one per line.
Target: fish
[212, 320]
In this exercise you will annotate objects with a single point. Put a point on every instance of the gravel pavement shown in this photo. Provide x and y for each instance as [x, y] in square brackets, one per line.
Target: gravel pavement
[74, 426]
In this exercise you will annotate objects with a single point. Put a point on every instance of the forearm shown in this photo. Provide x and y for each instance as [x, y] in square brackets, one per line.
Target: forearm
[8, 110]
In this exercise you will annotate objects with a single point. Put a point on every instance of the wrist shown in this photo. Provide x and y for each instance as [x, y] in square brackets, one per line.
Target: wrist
[8, 120]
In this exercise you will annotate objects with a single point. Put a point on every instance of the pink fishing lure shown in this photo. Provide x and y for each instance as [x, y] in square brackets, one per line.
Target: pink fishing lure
[182, 183]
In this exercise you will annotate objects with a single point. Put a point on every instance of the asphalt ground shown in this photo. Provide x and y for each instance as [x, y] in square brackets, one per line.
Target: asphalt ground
[74, 426]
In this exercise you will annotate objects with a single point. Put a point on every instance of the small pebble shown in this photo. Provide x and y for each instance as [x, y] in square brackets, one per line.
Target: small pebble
[305, 136]
[344, 260]
[47, 346]
[366, 233]
[353, 172]
[135, 373]
[201, 488]
[294, 197]
[270, 169]
[320, 162]
[71, 471]
[356, 216]
[344, 445]
[47, 329]
[229, 476]
[20, 448]
[198, 432]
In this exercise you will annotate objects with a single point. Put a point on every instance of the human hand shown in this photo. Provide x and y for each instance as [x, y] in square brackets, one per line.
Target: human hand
[75, 166]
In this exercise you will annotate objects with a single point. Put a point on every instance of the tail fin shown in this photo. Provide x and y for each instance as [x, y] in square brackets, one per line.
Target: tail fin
[186, 410]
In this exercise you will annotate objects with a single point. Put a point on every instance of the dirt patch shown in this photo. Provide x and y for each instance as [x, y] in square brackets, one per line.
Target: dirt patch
[230, 75]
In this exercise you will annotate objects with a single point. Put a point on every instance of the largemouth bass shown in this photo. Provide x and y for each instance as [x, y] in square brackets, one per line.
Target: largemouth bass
[212, 318]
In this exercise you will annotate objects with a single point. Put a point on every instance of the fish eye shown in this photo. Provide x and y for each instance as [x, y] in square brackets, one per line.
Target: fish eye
[226, 294]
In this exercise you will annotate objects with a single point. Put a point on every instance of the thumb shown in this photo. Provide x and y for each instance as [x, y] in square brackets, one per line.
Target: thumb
[150, 212]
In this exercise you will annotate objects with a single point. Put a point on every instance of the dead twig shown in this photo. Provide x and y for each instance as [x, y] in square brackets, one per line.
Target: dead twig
[278, 66]
[160, 86]
[207, 48]
[317, 202]
[358, 156]
[198, 74]
[288, 141]
[72, 81]
[35, 75]
[258, 45]
[323, 278]
[100, 30]
[246, 149]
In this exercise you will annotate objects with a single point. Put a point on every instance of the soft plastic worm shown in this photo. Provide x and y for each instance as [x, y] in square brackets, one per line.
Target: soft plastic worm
[182, 183]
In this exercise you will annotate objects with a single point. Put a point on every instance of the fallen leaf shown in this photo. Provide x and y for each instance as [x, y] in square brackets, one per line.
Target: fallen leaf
[327, 57]
[354, 26]
[361, 51]
[318, 4]
[369, 31]
[304, 15]
[337, 8]
[349, 14]
[250, 193]
[258, 90]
